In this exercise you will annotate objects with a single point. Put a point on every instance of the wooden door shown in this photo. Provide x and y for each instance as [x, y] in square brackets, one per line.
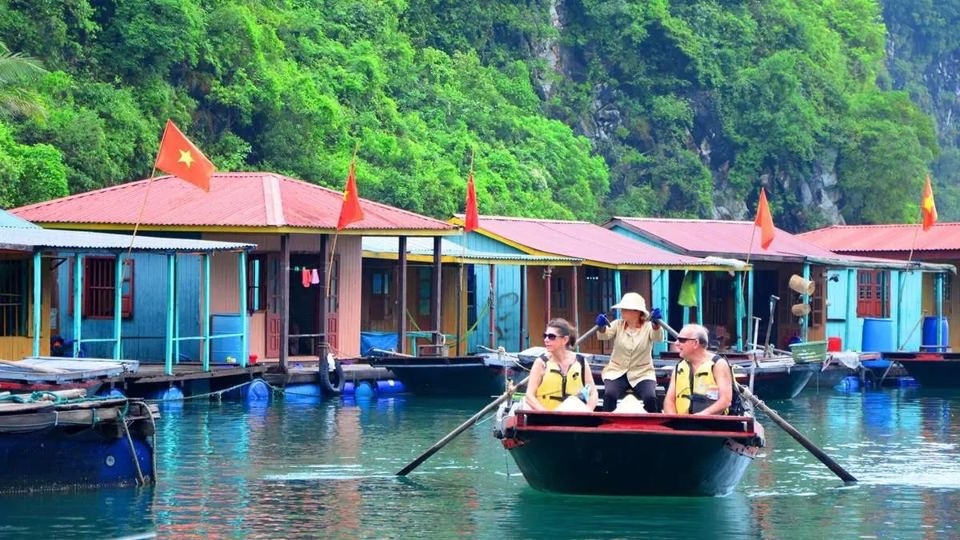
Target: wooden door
[274, 296]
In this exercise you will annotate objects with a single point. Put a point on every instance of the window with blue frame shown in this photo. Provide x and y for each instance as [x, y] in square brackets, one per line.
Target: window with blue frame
[13, 298]
[594, 290]
[380, 295]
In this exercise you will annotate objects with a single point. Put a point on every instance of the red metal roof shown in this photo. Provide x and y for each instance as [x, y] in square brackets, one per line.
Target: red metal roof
[886, 238]
[702, 238]
[235, 200]
[581, 240]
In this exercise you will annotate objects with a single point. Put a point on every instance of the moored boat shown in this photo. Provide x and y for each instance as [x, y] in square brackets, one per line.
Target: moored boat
[64, 440]
[775, 377]
[596, 453]
[477, 375]
[930, 369]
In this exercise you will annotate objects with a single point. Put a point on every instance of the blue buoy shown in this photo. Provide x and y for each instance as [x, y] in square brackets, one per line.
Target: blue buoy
[258, 391]
[303, 393]
[170, 394]
[113, 393]
[389, 386]
[907, 382]
[848, 384]
[364, 391]
[349, 388]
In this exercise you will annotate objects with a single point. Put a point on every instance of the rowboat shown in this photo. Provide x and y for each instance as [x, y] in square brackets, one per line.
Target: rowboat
[65, 440]
[474, 375]
[51, 373]
[931, 369]
[598, 453]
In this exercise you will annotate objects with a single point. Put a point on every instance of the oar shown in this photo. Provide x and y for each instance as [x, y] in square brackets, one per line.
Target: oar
[792, 431]
[473, 419]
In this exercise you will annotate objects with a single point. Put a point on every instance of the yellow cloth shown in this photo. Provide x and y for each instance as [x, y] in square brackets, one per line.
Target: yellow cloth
[632, 352]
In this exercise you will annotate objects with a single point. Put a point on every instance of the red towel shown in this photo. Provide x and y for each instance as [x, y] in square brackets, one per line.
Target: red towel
[305, 277]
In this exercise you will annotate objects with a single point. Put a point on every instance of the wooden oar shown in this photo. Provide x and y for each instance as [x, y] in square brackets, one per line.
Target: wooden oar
[473, 419]
[792, 431]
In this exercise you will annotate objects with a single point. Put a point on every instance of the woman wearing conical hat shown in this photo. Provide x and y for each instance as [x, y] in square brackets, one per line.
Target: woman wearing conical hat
[631, 362]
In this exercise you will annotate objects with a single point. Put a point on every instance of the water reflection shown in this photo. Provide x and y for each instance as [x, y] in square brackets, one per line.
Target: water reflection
[327, 470]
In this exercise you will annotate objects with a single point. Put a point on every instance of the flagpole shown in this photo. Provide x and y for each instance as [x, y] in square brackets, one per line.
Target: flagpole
[143, 205]
[333, 248]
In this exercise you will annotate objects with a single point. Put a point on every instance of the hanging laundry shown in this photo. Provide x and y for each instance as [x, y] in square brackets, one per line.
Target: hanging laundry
[305, 277]
[314, 277]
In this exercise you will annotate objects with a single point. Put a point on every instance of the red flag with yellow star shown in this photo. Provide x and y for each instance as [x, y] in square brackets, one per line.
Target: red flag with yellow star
[928, 207]
[179, 157]
[350, 211]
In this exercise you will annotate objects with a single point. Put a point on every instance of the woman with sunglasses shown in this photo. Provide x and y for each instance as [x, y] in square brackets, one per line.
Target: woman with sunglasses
[558, 374]
[631, 361]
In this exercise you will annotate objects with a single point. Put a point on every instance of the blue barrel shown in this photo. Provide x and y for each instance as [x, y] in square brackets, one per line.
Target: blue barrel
[306, 393]
[930, 342]
[848, 384]
[877, 335]
[224, 348]
[363, 391]
[389, 386]
[349, 388]
[258, 391]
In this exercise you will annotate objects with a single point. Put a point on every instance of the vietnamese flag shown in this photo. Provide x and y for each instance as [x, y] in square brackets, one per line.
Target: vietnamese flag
[179, 157]
[350, 211]
[764, 220]
[472, 219]
[928, 207]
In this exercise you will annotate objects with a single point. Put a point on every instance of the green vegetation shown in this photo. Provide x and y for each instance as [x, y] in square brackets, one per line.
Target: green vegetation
[654, 108]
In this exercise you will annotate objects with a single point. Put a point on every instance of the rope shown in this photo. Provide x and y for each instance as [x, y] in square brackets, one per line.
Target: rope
[122, 418]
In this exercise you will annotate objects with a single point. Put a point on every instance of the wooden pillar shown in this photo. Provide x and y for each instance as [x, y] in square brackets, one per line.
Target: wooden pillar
[244, 316]
[77, 303]
[284, 300]
[521, 342]
[402, 296]
[493, 307]
[37, 301]
[435, 284]
[575, 287]
[171, 305]
[321, 327]
[460, 309]
[547, 282]
[205, 313]
[117, 304]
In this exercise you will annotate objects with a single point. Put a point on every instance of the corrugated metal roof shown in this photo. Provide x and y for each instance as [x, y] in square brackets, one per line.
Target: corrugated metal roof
[245, 200]
[30, 238]
[454, 252]
[9, 220]
[582, 240]
[886, 238]
[702, 237]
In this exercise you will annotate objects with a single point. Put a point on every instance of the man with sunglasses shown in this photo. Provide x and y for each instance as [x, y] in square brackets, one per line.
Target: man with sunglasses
[701, 383]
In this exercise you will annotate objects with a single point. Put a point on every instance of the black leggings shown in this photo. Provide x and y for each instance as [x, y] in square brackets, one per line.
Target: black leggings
[615, 389]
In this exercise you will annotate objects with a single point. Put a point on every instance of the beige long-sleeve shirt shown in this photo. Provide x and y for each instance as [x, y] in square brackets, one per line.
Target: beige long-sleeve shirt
[632, 351]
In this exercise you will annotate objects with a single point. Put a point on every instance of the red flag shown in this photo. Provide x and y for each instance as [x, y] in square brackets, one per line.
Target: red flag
[764, 220]
[928, 207]
[472, 219]
[179, 157]
[350, 211]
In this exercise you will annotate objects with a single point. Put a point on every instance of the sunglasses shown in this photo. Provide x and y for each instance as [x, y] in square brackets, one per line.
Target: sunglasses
[686, 339]
[551, 336]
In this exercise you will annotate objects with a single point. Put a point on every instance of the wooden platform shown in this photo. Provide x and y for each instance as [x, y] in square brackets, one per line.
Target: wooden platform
[188, 376]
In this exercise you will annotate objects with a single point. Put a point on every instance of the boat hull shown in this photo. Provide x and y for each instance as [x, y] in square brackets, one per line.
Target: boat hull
[450, 376]
[931, 369]
[643, 455]
[59, 447]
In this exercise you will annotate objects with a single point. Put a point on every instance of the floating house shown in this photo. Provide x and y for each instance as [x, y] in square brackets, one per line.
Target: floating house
[611, 264]
[940, 291]
[469, 320]
[811, 292]
[81, 285]
[305, 276]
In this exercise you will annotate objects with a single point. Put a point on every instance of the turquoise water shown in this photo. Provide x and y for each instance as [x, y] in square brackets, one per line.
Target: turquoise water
[326, 470]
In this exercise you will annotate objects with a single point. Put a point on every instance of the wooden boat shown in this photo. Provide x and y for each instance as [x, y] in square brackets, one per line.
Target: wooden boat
[777, 376]
[476, 375]
[930, 369]
[64, 440]
[597, 453]
[50, 373]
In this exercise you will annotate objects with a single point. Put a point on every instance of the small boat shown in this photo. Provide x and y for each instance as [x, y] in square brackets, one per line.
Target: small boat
[477, 375]
[598, 453]
[930, 369]
[51, 373]
[777, 376]
[66, 440]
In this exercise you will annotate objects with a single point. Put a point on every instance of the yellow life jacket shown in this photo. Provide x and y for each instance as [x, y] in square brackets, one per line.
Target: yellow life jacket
[556, 387]
[700, 386]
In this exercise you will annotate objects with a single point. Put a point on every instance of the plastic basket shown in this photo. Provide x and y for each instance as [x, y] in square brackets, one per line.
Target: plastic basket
[809, 351]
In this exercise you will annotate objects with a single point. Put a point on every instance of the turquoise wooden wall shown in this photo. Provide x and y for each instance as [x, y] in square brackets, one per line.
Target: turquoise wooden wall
[507, 298]
[906, 312]
[143, 335]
